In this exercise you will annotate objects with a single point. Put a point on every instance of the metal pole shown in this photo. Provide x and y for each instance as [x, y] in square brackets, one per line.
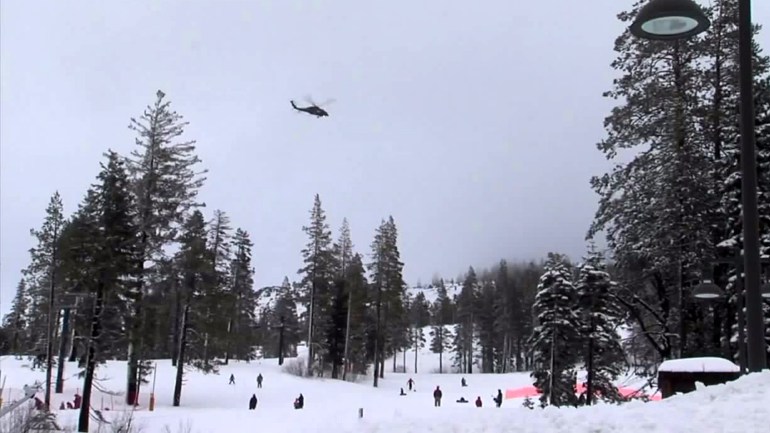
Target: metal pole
[682, 328]
[757, 356]
[152, 393]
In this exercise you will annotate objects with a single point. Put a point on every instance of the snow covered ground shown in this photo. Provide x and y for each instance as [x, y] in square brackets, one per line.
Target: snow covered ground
[209, 404]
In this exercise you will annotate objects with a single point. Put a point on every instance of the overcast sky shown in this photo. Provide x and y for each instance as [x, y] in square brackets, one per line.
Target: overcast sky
[473, 123]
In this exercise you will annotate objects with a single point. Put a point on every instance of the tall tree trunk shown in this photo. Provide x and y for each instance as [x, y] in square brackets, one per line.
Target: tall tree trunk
[135, 332]
[93, 341]
[310, 329]
[377, 336]
[73, 355]
[175, 330]
[181, 356]
[405, 360]
[441, 349]
[51, 313]
[132, 373]
[470, 345]
[65, 333]
[227, 343]
[346, 362]
[416, 349]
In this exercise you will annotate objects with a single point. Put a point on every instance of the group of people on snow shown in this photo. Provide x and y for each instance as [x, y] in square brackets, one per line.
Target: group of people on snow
[299, 402]
[438, 394]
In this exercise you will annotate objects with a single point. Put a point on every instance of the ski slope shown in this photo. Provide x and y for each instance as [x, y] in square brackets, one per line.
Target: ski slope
[209, 404]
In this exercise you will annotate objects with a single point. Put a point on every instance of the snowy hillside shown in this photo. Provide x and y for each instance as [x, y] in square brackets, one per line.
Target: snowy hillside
[209, 404]
[453, 289]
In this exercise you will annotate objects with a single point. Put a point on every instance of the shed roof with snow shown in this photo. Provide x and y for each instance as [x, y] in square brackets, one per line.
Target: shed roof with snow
[708, 364]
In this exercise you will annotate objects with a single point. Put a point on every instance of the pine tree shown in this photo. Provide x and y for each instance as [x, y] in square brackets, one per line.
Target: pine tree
[555, 337]
[490, 341]
[360, 316]
[441, 315]
[386, 275]
[43, 274]
[722, 123]
[108, 256]
[343, 251]
[284, 314]
[465, 322]
[419, 317]
[317, 277]
[657, 209]
[15, 322]
[217, 287]
[194, 268]
[242, 302]
[505, 312]
[166, 185]
[600, 315]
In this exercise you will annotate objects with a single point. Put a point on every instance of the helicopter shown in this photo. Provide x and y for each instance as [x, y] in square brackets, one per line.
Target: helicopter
[314, 109]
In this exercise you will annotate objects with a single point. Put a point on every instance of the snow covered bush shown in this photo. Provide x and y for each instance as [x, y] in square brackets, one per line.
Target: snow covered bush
[296, 367]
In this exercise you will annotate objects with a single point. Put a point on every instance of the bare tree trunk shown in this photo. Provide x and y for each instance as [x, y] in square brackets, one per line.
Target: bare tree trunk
[181, 357]
[175, 331]
[416, 349]
[93, 341]
[345, 362]
[65, 333]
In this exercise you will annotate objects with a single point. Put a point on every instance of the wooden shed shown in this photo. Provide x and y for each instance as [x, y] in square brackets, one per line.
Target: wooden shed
[680, 375]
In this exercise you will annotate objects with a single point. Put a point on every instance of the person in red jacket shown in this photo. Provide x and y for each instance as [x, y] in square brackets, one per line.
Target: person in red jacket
[437, 397]
[478, 401]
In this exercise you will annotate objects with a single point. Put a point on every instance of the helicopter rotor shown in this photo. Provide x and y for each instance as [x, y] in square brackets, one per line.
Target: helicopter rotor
[310, 101]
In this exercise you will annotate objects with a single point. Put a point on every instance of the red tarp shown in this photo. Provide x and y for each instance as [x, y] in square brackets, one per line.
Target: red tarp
[531, 391]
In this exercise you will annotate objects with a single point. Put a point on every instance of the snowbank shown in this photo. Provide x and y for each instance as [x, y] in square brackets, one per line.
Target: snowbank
[739, 406]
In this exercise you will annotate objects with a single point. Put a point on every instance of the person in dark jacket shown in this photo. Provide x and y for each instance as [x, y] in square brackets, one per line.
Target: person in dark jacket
[463, 383]
[402, 392]
[253, 402]
[499, 398]
[437, 397]
[299, 403]
[232, 379]
[259, 381]
[478, 401]
[410, 383]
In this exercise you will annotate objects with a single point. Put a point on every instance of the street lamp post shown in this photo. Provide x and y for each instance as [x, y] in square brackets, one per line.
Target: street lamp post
[677, 19]
[708, 290]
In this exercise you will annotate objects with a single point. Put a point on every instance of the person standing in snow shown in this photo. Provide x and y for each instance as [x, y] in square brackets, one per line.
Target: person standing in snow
[437, 397]
[463, 383]
[410, 383]
[478, 401]
[499, 399]
[232, 379]
[259, 381]
[253, 402]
